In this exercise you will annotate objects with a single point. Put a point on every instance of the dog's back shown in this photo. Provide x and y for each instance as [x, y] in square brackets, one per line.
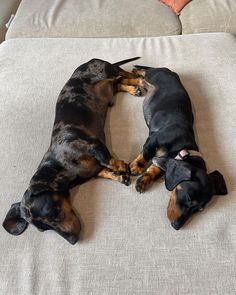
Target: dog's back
[168, 111]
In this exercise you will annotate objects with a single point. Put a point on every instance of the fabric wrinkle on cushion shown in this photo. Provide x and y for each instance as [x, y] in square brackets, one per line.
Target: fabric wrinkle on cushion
[93, 18]
[209, 16]
[127, 245]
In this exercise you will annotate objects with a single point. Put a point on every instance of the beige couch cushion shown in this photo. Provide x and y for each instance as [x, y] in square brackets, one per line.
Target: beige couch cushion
[93, 18]
[209, 16]
[7, 7]
[127, 245]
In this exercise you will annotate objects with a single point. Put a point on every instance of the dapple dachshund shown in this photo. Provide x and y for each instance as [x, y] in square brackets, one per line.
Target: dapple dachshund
[172, 147]
[77, 151]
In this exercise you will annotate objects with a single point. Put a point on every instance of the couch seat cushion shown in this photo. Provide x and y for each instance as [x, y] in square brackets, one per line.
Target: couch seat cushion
[127, 245]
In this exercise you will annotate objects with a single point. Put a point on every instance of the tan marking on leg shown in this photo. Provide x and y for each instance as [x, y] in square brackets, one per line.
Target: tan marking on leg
[133, 82]
[173, 212]
[108, 174]
[133, 86]
[138, 166]
[145, 179]
[153, 171]
[133, 90]
[118, 166]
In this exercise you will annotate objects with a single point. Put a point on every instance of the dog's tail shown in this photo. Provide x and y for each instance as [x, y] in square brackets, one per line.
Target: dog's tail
[122, 62]
[138, 67]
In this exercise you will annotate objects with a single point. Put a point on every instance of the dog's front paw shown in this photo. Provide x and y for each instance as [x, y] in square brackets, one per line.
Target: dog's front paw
[135, 90]
[136, 168]
[142, 182]
[120, 167]
[125, 179]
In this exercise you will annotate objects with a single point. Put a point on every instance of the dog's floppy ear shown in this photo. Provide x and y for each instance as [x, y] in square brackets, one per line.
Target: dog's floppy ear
[218, 183]
[176, 172]
[13, 222]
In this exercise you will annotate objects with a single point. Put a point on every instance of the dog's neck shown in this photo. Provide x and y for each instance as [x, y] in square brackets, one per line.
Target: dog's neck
[188, 153]
[193, 157]
[49, 178]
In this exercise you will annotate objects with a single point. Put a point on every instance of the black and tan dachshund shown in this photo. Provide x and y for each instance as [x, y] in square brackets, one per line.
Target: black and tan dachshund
[77, 151]
[171, 146]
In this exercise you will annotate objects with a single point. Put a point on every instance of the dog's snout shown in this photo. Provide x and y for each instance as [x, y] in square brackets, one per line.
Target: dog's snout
[70, 227]
[72, 239]
[176, 225]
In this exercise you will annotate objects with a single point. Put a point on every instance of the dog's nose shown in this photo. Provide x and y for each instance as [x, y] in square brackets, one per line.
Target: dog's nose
[176, 225]
[72, 239]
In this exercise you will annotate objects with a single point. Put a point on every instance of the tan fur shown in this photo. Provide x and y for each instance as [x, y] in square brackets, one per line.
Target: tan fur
[173, 212]
[138, 166]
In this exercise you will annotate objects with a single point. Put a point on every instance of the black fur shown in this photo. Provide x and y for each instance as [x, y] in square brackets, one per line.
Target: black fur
[168, 115]
[76, 153]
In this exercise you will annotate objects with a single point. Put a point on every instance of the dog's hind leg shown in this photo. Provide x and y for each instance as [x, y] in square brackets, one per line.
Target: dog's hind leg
[134, 86]
[133, 90]
[134, 82]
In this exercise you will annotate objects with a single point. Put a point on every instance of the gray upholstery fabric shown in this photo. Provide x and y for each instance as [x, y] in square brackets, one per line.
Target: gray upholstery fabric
[209, 16]
[7, 7]
[127, 245]
[93, 18]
